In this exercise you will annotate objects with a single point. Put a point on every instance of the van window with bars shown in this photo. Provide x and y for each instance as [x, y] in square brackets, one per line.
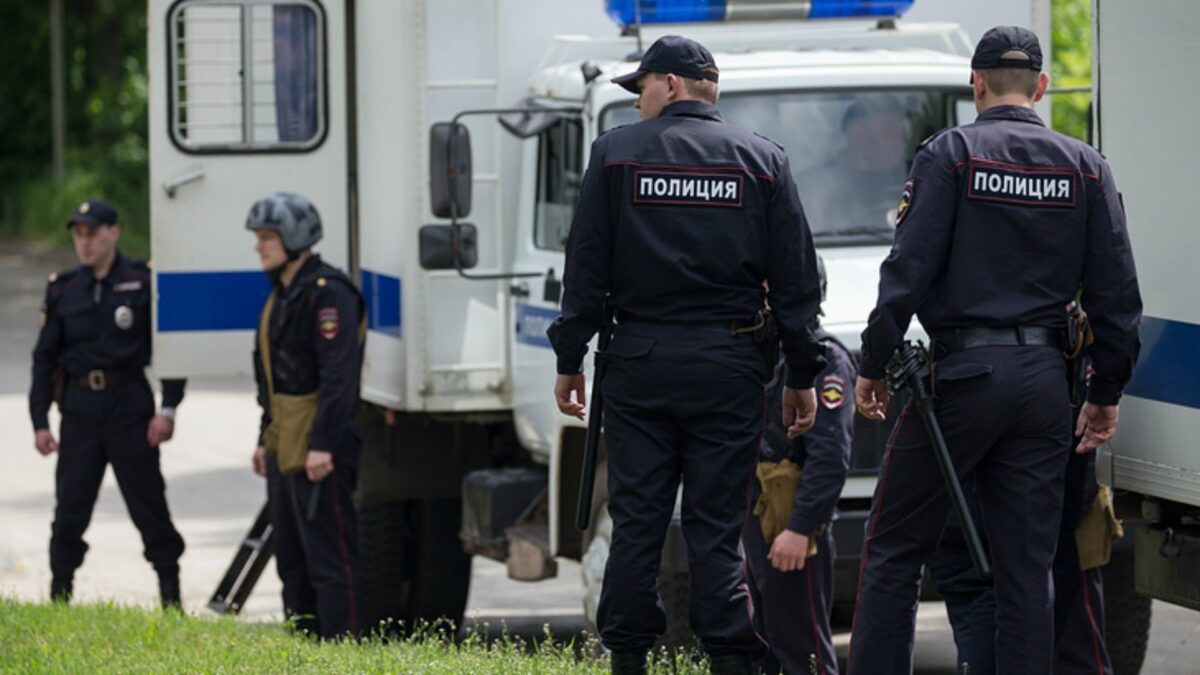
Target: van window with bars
[247, 76]
[560, 176]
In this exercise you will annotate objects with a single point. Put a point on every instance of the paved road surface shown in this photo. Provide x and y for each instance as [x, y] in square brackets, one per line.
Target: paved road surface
[213, 496]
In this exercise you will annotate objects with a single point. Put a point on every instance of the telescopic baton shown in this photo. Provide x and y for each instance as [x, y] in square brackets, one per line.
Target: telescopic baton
[909, 369]
[583, 510]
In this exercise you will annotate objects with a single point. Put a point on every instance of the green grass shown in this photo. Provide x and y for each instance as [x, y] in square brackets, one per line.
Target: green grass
[38, 638]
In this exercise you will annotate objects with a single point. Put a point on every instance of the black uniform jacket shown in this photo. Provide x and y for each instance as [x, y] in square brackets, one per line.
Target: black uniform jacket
[314, 338]
[824, 452]
[681, 219]
[90, 324]
[1001, 222]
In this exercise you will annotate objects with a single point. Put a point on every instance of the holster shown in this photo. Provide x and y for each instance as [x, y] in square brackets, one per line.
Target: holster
[779, 481]
[1079, 338]
[1098, 531]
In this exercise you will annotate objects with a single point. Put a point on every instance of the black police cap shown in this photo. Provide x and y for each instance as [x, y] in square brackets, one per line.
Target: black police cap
[672, 54]
[1001, 40]
[94, 213]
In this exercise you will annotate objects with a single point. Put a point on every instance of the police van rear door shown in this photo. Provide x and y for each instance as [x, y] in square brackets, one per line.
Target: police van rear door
[246, 97]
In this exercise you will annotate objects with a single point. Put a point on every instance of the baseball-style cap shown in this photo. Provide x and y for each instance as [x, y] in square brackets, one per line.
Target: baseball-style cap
[94, 213]
[672, 54]
[997, 42]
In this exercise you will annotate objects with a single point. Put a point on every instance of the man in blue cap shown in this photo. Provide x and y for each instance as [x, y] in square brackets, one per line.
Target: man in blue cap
[1001, 224]
[90, 358]
[681, 219]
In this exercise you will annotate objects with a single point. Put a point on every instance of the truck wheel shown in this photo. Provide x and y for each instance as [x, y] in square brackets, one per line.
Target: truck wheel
[1126, 614]
[414, 567]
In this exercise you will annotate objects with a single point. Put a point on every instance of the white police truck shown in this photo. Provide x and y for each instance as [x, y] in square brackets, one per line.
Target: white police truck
[1153, 463]
[385, 114]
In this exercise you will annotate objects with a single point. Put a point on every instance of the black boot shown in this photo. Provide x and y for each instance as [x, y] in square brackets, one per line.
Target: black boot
[628, 663]
[731, 664]
[61, 589]
[168, 591]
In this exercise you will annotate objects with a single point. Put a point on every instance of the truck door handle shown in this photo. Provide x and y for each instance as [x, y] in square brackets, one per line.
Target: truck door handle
[183, 179]
[519, 290]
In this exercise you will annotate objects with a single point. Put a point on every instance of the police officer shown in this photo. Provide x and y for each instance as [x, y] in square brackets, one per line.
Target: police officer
[1001, 223]
[90, 357]
[681, 219]
[1088, 530]
[788, 541]
[308, 361]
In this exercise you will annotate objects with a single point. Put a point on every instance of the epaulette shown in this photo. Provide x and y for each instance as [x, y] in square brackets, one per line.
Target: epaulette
[929, 139]
[769, 140]
[619, 126]
[60, 277]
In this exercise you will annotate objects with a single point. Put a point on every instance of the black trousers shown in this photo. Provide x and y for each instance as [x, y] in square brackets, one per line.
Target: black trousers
[317, 559]
[1005, 415]
[98, 429]
[682, 404]
[791, 609]
[1078, 594]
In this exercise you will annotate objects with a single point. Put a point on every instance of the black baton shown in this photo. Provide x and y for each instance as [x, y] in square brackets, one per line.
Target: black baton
[591, 446]
[908, 369]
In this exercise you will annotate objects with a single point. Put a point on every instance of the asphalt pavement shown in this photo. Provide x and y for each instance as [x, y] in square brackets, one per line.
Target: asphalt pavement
[214, 497]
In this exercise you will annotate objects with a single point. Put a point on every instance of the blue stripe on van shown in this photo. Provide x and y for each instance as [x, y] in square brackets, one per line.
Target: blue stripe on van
[1168, 368]
[532, 322]
[210, 301]
[382, 295]
[220, 301]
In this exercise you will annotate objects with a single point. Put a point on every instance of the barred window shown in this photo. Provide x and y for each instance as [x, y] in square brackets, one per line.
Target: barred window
[247, 75]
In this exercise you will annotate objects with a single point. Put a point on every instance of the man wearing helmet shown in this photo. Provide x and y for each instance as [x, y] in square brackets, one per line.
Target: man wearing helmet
[308, 361]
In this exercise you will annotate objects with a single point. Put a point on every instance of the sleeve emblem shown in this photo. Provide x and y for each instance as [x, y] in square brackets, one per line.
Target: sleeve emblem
[833, 392]
[327, 322]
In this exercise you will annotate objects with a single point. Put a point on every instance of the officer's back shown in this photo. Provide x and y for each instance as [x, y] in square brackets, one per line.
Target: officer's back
[706, 260]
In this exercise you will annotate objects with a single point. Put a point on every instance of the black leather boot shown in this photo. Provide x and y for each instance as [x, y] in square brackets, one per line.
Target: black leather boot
[168, 591]
[628, 663]
[731, 664]
[61, 589]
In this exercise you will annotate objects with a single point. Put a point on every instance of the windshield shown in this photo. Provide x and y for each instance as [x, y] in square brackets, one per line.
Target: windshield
[850, 150]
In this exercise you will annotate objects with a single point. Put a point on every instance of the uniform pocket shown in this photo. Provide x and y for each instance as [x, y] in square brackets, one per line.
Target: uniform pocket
[956, 371]
[630, 346]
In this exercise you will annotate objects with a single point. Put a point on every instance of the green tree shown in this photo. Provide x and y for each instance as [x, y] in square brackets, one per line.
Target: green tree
[1071, 24]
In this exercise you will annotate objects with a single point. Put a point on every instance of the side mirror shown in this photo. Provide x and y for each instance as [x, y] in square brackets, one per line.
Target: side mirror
[449, 170]
[439, 246]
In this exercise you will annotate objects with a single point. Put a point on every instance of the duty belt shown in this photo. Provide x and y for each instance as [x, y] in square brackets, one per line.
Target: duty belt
[99, 380]
[731, 327]
[971, 338]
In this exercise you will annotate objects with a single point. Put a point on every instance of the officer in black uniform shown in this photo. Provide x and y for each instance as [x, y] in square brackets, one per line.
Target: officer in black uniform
[799, 481]
[681, 219]
[314, 353]
[1002, 222]
[90, 357]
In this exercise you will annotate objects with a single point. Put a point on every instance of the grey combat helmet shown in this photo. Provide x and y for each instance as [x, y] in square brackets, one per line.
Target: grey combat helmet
[291, 215]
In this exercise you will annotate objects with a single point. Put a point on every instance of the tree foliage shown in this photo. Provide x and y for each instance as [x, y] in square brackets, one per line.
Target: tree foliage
[1071, 22]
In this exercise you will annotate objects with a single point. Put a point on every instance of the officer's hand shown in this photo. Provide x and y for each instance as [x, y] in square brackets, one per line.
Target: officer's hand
[44, 441]
[799, 410]
[564, 386]
[871, 398]
[259, 461]
[789, 551]
[318, 465]
[1096, 425]
[161, 429]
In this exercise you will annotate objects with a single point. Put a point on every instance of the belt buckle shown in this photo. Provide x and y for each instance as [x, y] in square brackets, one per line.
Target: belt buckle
[96, 380]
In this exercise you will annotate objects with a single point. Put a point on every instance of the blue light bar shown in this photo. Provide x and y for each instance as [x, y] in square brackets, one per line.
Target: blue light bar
[633, 12]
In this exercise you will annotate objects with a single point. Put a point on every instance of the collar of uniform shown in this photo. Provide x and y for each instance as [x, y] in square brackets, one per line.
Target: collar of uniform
[120, 262]
[1012, 112]
[692, 108]
[307, 271]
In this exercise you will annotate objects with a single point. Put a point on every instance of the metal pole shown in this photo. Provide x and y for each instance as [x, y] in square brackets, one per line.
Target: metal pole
[57, 98]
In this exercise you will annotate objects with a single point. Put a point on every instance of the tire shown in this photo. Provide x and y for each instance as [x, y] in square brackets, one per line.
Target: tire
[1126, 614]
[414, 568]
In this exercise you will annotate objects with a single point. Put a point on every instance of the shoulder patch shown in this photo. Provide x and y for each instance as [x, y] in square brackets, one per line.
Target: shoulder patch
[906, 200]
[929, 139]
[328, 322]
[769, 140]
[833, 392]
